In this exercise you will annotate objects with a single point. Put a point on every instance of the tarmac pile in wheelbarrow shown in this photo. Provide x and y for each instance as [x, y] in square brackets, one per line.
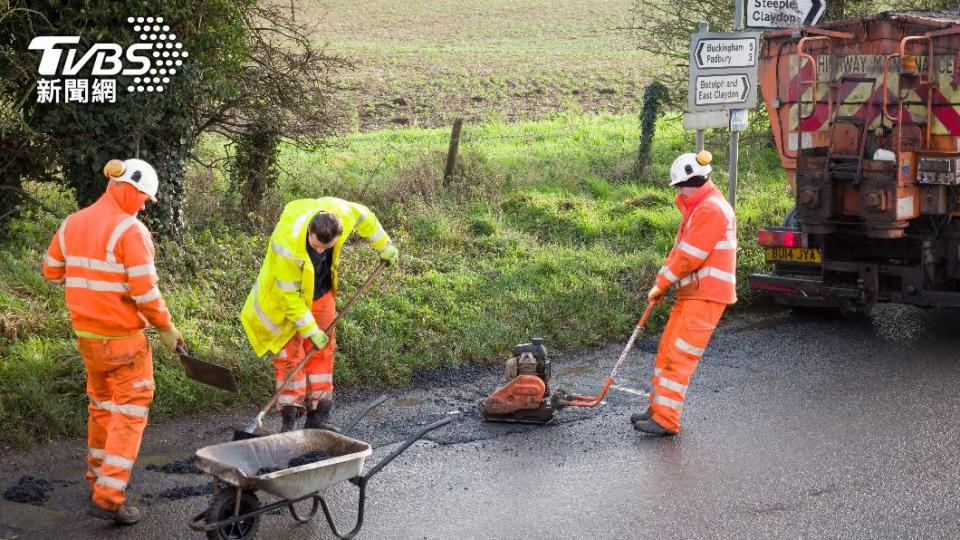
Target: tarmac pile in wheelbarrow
[242, 468]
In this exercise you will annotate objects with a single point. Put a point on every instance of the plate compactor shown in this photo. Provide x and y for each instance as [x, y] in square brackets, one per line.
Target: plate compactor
[526, 396]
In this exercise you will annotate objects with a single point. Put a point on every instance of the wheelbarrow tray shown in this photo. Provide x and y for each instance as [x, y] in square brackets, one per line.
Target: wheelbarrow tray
[237, 462]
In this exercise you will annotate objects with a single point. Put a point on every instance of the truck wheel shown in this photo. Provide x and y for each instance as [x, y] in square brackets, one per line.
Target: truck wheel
[855, 309]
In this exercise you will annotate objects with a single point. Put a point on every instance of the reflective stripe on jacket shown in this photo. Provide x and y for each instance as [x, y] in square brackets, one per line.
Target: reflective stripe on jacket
[279, 302]
[104, 257]
[704, 257]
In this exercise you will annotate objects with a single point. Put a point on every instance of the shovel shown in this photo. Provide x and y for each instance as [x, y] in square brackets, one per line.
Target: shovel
[204, 372]
[255, 428]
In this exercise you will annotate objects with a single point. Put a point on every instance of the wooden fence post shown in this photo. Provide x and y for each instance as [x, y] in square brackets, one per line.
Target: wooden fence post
[452, 151]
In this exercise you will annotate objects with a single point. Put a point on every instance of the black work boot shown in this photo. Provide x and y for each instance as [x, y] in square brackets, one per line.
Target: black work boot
[319, 418]
[652, 427]
[640, 416]
[289, 415]
[126, 515]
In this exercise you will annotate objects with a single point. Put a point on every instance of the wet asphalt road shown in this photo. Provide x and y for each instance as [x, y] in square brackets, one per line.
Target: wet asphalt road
[794, 427]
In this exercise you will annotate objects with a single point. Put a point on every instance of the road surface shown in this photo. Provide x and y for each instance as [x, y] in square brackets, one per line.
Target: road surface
[793, 427]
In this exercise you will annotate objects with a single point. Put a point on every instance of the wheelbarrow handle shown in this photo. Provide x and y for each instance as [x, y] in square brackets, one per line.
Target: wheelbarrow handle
[414, 438]
[361, 481]
[356, 419]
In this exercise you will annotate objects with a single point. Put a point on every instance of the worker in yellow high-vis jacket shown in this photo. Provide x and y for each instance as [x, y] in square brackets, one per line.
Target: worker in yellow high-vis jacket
[293, 299]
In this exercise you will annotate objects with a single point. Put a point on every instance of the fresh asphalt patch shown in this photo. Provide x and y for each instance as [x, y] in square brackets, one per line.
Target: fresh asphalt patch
[178, 466]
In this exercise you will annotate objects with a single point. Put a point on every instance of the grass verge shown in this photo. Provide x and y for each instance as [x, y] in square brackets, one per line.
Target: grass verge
[542, 231]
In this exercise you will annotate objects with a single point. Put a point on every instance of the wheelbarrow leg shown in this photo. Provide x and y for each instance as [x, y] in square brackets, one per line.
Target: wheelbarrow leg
[362, 482]
[308, 517]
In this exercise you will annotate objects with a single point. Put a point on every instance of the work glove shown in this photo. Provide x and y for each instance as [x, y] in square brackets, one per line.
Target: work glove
[320, 340]
[390, 254]
[655, 294]
[171, 338]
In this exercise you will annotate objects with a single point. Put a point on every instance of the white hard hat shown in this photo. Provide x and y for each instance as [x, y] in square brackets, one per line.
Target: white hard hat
[689, 165]
[137, 173]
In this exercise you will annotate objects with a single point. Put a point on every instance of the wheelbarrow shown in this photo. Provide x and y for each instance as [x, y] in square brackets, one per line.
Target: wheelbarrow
[241, 468]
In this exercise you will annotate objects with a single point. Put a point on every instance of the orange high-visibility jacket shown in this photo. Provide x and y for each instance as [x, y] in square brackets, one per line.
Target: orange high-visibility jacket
[104, 256]
[704, 256]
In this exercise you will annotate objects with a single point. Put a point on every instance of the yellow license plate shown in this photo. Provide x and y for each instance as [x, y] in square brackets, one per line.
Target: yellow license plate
[793, 255]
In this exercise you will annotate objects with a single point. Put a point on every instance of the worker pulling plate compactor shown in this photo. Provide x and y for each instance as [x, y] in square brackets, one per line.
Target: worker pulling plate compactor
[526, 397]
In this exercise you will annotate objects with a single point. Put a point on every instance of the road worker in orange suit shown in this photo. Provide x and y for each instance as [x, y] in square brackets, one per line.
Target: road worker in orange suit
[103, 255]
[293, 299]
[703, 262]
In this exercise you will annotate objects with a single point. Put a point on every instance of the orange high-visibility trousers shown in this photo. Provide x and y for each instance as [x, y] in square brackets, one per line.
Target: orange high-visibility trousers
[315, 381]
[684, 339]
[120, 387]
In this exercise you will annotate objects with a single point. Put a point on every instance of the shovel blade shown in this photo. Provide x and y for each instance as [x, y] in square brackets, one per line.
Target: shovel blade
[244, 435]
[210, 374]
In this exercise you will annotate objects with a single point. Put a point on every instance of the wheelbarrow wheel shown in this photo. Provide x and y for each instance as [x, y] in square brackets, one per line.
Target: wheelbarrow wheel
[222, 508]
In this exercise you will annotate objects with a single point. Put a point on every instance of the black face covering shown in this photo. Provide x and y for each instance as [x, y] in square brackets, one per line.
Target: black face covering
[322, 270]
[693, 181]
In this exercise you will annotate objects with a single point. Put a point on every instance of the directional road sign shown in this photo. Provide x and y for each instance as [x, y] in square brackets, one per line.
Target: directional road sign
[723, 71]
[721, 89]
[726, 52]
[768, 14]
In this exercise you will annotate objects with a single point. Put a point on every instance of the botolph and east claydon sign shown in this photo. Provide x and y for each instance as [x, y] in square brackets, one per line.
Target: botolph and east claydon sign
[721, 89]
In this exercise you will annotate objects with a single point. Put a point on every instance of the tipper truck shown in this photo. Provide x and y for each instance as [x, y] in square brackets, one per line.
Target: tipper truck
[865, 114]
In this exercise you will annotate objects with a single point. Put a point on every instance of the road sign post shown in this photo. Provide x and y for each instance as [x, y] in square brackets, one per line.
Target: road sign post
[733, 90]
[734, 160]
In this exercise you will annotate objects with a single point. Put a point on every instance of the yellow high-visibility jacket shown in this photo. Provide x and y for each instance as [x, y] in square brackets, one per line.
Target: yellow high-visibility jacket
[279, 302]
